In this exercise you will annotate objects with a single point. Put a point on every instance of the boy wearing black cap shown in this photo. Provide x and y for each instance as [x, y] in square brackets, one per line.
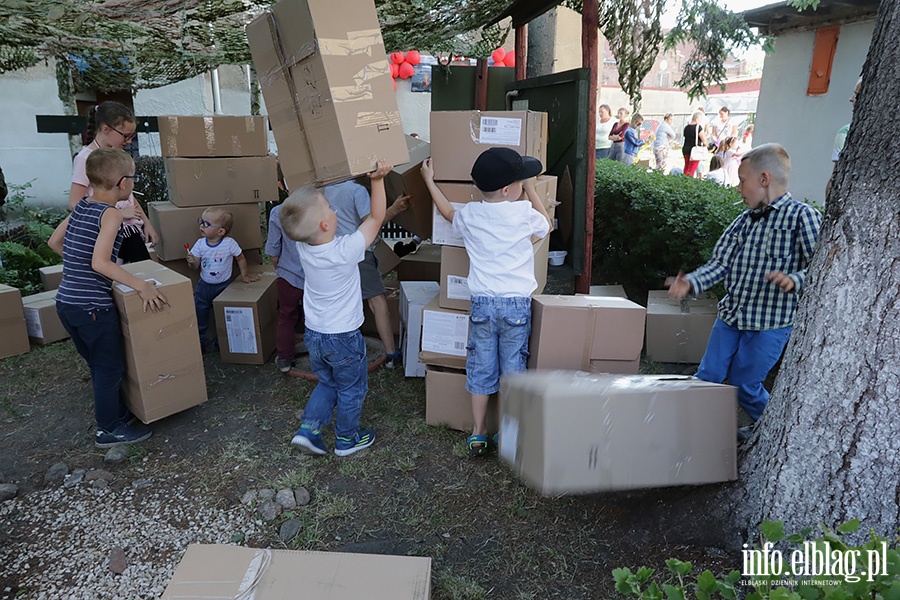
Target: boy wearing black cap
[497, 233]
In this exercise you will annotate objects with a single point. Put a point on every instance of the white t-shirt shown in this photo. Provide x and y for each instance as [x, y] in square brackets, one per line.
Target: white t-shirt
[332, 298]
[497, 236]
[215, 261]
[664, 135]
[718, 176]
[601, 135]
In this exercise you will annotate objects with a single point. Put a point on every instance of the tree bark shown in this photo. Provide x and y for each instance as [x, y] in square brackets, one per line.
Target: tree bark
[827, 448]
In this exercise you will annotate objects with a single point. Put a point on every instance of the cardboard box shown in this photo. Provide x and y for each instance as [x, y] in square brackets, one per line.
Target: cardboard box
[51, 276]
[448, 403]
[455, 272]
[407, 179]
[459, 194]
[572, 332]
[414, 295]
[13, 332]
[163, 363]
[206, 181]
[219, 136]
[607, 290]
[245, 320]
[387, 259]
[573, 433]
[392, 296]
[42, 320]
[422, 265]
[221, 571]
[327, 59]
[445, 334]
[459, 137]
[678, 330]
[178, 226]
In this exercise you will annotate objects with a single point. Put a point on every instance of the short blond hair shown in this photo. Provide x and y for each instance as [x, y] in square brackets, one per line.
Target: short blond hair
[224, 218]
[771, 158]
[105, 167]
[301, 214]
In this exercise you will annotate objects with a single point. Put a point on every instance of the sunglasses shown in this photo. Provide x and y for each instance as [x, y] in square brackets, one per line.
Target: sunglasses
[134, 178]
[127, 136]
[204, 223]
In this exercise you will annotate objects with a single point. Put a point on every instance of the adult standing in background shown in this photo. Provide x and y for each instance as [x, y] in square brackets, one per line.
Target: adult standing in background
[841, 138]
[617, 135]
[693, 136]
[703, 167]
[723, 127]
[664, 136]
[601, 136]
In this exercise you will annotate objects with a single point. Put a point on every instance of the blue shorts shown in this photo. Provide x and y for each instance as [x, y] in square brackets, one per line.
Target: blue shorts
[498, 341]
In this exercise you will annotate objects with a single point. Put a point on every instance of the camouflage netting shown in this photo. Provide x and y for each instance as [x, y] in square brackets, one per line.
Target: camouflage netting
[135, 44]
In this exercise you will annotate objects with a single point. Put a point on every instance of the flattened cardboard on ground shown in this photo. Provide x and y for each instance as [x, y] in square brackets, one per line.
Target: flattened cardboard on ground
[459, 137]
[327, 58]
[42, 320]
[407, 179]
[414, 295]
[51, 276]
[422, 265]
[448, 403]
[678, 330]
[163, 363]
[178, 226]
[221, 571]
[13, 332]
[568, 332]
[392, 297]
[245, 320]
[212, 136]
[205, 181]
[572, 433]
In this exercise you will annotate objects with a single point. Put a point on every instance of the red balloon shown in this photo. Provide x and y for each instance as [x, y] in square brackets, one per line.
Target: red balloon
[510, 59]
[413, 57]
[395, 69]
[397, 57]
[406, 70]
[498, 55]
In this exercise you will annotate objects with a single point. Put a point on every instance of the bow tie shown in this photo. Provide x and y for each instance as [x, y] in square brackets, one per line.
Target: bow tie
[756, 215]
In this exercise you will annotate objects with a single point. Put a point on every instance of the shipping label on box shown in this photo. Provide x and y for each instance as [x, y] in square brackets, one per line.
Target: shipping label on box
[448, 403]
[178, 226]
[213, 136]
[678, 330]
[42, 320]
[407, 180]
[444, 331]
[13, 331]
[245, 320]
[51, 276]
[414, 295]
[205, 181]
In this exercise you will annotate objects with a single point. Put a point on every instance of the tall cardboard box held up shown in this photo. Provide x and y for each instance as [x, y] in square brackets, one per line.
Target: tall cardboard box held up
[163, 363]
[13, 332]
[326, 59]
[245, 320]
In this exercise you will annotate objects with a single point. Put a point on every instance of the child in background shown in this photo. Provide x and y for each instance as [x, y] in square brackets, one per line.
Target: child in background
[212, 254]
[716, 172]
[89, 240]
[497, 234]
[731, 159]
[633, 141]
[112, 125]
[283, 254]
[332, 307]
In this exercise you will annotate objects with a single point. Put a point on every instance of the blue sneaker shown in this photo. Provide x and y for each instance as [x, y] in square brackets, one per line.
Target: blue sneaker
[123, 434]
[309, 441]
[345, 446]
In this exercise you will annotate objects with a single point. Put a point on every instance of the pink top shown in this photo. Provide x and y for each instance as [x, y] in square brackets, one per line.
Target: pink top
[79, 176]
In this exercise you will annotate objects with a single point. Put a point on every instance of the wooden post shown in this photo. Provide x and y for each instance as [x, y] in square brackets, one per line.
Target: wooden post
[521, 51]
[589, 41]
[481, 79]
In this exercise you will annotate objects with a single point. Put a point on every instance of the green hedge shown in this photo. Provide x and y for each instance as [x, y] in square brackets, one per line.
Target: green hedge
[648, 226]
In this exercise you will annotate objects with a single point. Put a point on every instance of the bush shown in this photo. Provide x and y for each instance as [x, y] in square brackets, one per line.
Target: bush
[648, 226]
[152, 172]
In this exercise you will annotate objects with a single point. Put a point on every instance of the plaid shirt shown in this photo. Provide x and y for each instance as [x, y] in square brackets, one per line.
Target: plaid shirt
[748, 251]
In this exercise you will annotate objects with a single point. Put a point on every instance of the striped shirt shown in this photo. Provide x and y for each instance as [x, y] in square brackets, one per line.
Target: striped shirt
[749, 250]
[81, 286]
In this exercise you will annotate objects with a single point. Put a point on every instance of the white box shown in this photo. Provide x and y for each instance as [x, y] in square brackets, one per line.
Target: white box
[444, 331]
[414, 295]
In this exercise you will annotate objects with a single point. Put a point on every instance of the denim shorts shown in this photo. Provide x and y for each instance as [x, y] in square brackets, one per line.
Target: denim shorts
[498, 341]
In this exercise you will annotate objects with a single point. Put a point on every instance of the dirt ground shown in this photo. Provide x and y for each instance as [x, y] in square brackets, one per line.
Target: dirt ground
[414, 492]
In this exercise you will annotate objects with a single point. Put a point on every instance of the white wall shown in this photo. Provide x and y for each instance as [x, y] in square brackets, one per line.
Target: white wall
[806, 125]
[415, 109]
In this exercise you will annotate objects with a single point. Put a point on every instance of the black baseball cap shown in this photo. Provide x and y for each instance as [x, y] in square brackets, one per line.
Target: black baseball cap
[496, 168]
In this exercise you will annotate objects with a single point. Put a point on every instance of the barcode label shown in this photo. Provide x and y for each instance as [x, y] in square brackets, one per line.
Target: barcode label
[459, 345]
[497, 131]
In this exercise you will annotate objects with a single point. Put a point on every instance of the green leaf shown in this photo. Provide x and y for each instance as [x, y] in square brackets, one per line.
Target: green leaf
[652, 592]
[706, 582]
[678, 567]
[772, 531]
[643, 574]
[849, 527]
[672, 592]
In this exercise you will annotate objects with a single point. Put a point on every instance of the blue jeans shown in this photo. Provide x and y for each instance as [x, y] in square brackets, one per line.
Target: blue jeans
[98, 338]
[744, 358]
[203, 302]
[339, 361]
[498, 341]
[602, 153]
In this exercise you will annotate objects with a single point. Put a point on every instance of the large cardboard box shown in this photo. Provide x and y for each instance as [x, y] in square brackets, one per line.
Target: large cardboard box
[218, 136]
[459, 137]
[587, 333]
[444, 331]
[392, 297]
[163, 363]
[455, 273]
[51, 276]
[326, 58]
[206, 181]
[245, 320]
[178, 226]
[407, 179]
[571, 433]
[448, 403]
[221, 571]
[42, 320]
[678, 330]
[422, 265]
[414, 295]
[13, 332]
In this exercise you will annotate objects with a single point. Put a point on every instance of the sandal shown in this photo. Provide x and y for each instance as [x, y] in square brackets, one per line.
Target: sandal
[478, 445]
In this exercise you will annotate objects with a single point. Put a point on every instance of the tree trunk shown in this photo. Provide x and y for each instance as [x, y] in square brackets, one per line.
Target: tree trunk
[828, 445]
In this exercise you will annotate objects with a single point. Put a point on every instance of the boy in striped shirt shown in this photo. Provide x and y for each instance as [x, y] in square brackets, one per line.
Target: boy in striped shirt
[762, 257]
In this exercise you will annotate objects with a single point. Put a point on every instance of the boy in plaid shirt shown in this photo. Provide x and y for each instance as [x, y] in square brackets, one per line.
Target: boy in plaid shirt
[763, 257]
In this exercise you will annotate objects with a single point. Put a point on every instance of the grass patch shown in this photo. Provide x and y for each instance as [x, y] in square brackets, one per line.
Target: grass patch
[458, 587]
